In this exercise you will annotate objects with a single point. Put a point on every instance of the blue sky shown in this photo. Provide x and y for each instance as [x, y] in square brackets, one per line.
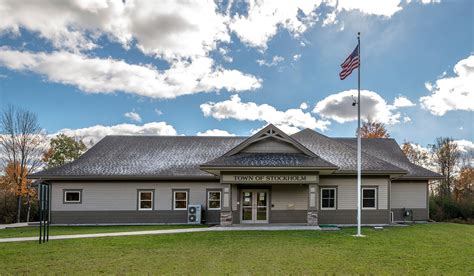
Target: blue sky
[229, 68]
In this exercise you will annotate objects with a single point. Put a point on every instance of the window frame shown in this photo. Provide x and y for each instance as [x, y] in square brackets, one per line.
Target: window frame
[375, 198]
[208, 200]
[65, 191]
[139, 200]
[321, 198]
[174, 199]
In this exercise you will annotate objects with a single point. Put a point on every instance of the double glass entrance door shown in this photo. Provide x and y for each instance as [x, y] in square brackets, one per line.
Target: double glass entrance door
[254, 206]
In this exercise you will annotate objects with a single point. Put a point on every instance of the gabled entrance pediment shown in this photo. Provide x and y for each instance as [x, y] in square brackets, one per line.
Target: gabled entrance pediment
[270, 149]
[270, 140]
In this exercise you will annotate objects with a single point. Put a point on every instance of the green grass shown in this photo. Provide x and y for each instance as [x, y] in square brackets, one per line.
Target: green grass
[419, 249]
[71, 230]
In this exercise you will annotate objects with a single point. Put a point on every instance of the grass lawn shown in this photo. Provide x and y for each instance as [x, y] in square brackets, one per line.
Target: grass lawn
[71, 230]
[419, 249]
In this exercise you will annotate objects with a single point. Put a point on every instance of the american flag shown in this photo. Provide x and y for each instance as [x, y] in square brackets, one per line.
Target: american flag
[351, 63]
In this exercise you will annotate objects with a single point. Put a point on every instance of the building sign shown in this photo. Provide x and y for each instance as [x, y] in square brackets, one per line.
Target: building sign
[274, 179]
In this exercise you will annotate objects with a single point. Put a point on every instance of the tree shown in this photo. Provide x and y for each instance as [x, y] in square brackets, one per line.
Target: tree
[415, 154]
[446, 155]
[63, 149]
[373, 129]
[21, 143]
[464, 184]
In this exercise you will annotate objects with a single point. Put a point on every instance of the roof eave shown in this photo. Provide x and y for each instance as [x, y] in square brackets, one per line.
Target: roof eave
[372, 172]
[422, 178]
[216, 170]
[123, 177]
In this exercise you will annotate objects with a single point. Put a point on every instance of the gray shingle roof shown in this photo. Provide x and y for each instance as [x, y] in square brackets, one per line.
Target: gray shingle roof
[389, 151]
[340, 154]
[268, 160]
[182, 156]
[146, 156]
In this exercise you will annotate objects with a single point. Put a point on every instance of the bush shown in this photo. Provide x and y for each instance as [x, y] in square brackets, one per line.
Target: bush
[447, 209]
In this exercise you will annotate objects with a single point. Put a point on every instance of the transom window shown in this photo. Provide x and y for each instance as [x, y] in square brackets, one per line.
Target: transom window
[369, 198]
[145, 199]
[328, 198]
[180, 201]
[214, 200]
[73, 196]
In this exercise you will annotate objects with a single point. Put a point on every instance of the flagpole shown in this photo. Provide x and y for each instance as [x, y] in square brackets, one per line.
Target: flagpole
[359, 157]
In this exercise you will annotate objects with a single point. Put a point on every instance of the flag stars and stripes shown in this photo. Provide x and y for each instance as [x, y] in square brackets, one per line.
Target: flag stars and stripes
[351, 63]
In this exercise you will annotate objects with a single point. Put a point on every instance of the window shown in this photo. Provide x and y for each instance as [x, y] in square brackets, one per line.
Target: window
[180, 200]
[369, 198]
[328, 198]
[214, 200]
[72, 196]
[145, 200]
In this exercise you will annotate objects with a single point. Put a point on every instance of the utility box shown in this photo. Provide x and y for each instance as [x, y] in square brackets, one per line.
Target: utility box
[194, 214]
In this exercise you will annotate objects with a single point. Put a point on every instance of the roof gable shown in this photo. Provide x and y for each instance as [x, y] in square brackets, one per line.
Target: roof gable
[270, 139]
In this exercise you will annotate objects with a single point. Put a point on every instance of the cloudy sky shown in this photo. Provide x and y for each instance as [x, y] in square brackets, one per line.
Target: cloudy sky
[91, 68]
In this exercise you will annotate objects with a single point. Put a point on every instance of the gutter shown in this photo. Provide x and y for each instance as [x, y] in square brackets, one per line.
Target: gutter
[123, 177]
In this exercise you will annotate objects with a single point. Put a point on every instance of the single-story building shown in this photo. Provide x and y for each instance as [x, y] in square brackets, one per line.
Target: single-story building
[270, 177]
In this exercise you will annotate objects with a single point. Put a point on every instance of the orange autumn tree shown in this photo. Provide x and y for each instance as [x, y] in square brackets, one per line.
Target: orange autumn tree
[464, 184]
[373, 129]
[14, 176]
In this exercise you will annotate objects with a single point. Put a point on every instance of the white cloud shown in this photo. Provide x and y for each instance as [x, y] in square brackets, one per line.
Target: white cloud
[174, 29]
[303, 106]
[452, 93]
[97, 75]
[385, 8]
[169, 29]
[402, 101]
[215, 132]
[261, 21]
[133, 116]
[275, 61]
[185, 34]
[296, 57]
[406, 119]
[158, 112]
[464, 145]
[338, 107]
[94, 133]
[250, 111]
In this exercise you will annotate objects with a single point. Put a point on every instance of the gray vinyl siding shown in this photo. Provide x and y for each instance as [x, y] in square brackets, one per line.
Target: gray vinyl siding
[289, 197]
[122, 196]
[409, 194]
[347, 190]
[288, 216]
[350, 217]
[418, 215]
[118, 217]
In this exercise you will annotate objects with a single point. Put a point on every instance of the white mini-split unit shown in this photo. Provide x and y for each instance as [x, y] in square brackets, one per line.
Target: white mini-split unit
[194, 214]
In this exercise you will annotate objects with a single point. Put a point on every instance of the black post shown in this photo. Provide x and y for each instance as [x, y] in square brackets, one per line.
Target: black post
[48, 212]
[40, 194]
[43, 191]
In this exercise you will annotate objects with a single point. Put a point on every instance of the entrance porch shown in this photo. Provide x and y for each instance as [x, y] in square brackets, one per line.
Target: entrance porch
[246, 204]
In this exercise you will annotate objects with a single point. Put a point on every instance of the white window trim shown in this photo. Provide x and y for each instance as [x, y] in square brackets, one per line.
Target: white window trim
[375, 198]
[73, 201]
[174, 200]
[208, 201]
[321, 198]
[140, 200]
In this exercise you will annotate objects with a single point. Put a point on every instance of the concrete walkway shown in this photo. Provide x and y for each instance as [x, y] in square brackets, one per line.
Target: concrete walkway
[168, 231]
[15, 225]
